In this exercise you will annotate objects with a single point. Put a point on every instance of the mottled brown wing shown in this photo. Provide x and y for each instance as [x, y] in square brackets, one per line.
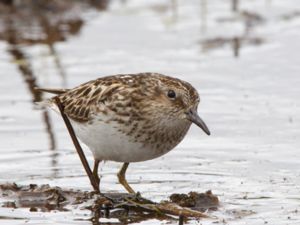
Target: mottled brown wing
[81, 102]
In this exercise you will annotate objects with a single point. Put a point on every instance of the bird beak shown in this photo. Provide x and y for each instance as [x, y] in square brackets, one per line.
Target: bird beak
[193, 116]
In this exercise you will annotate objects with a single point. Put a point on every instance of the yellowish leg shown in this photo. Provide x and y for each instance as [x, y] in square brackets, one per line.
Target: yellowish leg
[122, 179]
[95, 172]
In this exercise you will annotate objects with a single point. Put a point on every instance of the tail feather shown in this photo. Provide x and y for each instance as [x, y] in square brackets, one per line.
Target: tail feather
[49, 102]
[44, 104]
[52, 90]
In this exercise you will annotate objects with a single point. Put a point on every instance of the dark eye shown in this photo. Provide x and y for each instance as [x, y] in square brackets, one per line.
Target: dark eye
[171, 94]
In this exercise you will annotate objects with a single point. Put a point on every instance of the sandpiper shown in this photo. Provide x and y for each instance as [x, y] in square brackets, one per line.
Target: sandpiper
[130, 117]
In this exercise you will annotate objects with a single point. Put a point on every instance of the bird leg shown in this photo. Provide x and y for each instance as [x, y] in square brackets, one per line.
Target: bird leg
[95, 172]
[122, 179]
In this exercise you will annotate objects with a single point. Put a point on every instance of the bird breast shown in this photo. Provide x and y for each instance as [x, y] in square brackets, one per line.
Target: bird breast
[132, 142]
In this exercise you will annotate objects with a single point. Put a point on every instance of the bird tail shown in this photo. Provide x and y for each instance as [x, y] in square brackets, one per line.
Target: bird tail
[52, 90]
[49, 102]
[44, 104]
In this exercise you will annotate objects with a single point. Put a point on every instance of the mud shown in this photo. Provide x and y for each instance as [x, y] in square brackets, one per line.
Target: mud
[127, 208]
[41, 198]
[198, 201]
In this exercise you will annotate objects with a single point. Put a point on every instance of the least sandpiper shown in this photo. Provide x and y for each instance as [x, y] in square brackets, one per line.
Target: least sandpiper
[130, 117]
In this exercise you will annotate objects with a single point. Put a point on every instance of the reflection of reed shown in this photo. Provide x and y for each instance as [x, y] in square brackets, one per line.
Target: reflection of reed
[58, 64]
[45, 17]
[174, 6]
[203, 15]
[30, 79]
[234, 5]
[53, 34]
[235, 43]
[99, 4]
[50, 39]
[250, 20]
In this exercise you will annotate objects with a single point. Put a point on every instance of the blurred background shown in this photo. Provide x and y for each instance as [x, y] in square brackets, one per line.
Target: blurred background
[243, 56]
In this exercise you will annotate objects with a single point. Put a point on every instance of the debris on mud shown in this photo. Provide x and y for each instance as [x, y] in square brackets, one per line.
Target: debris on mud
[42, 198]
[127, 208]
[197, 201]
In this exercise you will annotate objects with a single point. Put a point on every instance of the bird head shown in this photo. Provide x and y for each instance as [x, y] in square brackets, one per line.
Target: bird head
[176, 99]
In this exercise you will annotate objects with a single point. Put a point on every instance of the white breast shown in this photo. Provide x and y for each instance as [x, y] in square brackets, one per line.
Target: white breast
[107, 143]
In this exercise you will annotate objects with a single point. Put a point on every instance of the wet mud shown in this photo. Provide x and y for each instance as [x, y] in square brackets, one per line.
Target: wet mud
[127, 208]
[198, 201]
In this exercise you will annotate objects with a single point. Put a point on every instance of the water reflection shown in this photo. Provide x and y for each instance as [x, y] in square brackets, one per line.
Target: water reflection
[21, 31]
[234, 5]
[41, 22]
[203, 7]
[24, 67]
[250, 20]
[235, 43]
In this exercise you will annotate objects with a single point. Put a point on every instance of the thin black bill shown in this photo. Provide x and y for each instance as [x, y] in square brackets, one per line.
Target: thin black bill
[193, 116]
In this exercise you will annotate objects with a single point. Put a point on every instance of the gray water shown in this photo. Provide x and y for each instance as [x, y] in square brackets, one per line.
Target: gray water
[245, 65]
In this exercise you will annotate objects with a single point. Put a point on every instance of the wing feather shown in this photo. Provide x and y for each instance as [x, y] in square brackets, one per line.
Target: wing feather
[104, 95]
[81, 102]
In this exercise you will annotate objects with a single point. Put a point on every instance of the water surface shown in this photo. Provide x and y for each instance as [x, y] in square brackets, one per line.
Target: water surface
[245, 65]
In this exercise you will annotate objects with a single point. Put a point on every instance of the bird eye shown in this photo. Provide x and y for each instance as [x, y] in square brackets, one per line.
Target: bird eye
[171, 94]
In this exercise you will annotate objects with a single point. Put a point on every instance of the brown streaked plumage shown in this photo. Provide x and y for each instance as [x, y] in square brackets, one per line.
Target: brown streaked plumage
[130, 117]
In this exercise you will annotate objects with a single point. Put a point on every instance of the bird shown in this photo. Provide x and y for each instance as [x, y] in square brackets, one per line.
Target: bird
[129, 118]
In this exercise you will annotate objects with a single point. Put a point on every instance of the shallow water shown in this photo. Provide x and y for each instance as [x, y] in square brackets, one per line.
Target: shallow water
[245, 65]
